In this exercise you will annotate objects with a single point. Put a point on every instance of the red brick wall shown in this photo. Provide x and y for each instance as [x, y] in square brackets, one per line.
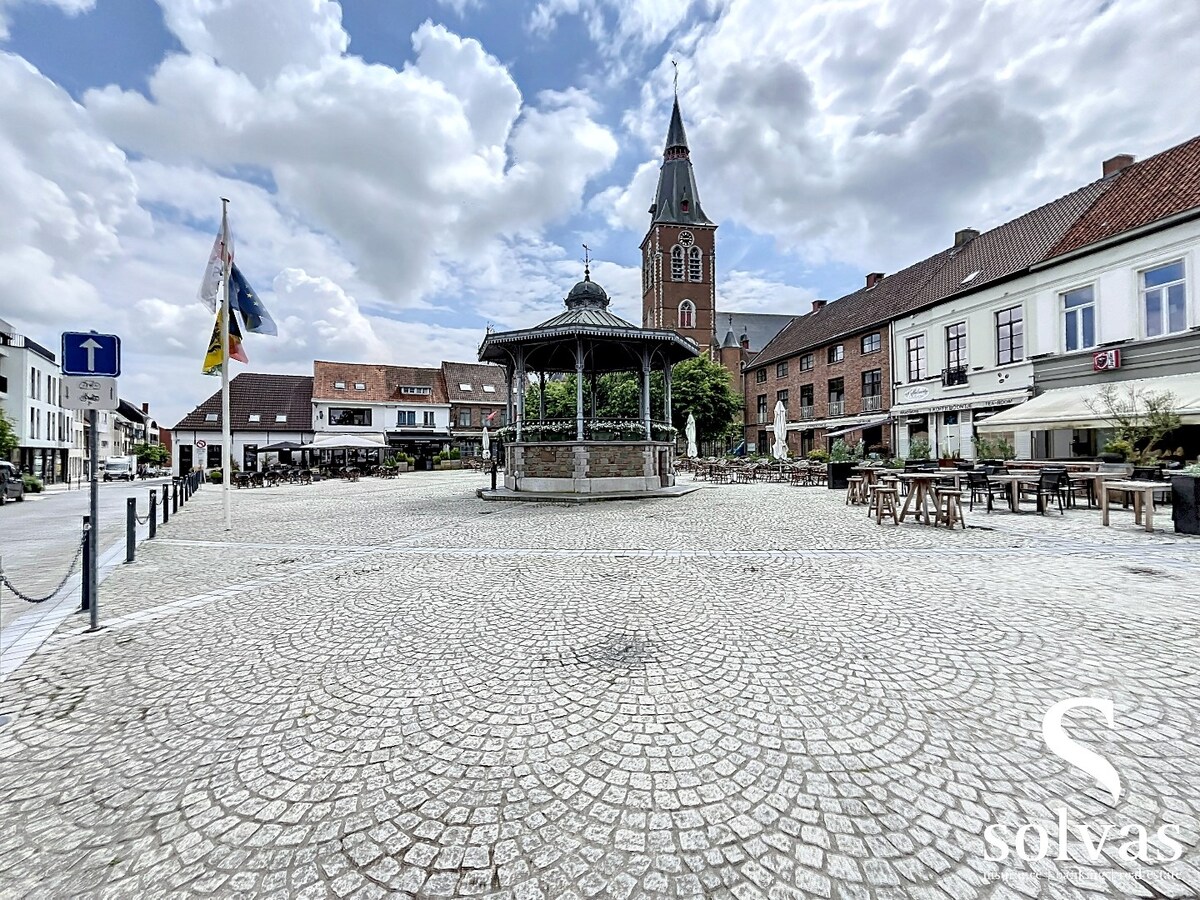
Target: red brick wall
[850, 369]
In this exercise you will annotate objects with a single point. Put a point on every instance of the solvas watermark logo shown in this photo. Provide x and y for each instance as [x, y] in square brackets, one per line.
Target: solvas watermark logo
[1032, 841]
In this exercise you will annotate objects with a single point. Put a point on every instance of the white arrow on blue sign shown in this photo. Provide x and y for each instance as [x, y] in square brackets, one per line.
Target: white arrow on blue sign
[89, 353]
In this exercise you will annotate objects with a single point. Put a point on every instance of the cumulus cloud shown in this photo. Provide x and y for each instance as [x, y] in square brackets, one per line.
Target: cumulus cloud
[867, 133]
[412, 169]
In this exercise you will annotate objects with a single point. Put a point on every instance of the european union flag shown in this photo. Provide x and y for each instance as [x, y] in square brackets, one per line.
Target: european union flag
[244, 300]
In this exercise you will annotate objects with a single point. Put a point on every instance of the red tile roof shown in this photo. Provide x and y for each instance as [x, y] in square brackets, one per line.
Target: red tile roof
[382, 384]
[476, 375]
[261, 394]
[1145, 192]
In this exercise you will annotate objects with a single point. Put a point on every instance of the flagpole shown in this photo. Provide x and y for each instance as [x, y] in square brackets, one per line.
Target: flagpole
[226, 430]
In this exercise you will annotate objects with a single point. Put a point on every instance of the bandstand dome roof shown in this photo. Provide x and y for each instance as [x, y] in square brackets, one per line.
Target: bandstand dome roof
[611, 343]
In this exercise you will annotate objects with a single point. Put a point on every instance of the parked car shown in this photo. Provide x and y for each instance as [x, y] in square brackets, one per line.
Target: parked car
[11, 485]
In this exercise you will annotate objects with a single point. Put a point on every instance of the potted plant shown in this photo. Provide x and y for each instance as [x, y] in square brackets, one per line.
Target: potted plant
[918, 450]
[841, 461]
[818, 456]
[1185, 499]
[1116, 450]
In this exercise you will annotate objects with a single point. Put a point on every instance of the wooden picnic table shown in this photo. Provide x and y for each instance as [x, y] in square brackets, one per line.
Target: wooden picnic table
[1143, 499]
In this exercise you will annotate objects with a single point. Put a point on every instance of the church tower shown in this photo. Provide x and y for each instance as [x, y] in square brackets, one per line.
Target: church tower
[679, 267]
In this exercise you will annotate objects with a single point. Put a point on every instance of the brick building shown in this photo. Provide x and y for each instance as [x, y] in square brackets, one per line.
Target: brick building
[476, 395]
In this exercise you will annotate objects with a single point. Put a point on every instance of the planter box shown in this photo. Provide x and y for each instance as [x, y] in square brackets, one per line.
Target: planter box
[839, 475]
[1185, 503]
[450, 464]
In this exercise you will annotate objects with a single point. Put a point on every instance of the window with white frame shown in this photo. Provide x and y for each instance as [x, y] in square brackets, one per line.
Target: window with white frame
[255, 417]
[695, 265]
[677, 263]
[427, 418]
[1164, 299]
[489, 389]
[915, 347]
[956, 346]
[1079, 318]
[687, 314]
[1010, 336]
[871, 343]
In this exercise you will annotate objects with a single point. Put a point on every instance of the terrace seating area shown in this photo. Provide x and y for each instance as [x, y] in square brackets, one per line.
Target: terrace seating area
[939, 495]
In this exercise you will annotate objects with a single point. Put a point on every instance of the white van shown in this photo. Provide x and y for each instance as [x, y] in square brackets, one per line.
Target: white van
[119, 468]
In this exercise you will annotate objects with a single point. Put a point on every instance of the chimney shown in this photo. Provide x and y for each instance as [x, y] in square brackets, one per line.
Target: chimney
[146, 408]
[818, 304]
[964, 236]
[1117, 163]
[745, 341]
[873, 278]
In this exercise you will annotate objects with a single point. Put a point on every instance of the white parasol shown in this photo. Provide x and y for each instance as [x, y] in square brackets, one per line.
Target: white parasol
[779, 426]
[487, 442]
[690, 430]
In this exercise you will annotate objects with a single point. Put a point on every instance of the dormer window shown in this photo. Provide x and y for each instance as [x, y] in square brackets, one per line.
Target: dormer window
[254, 417]
[339, 385]
[359, 386]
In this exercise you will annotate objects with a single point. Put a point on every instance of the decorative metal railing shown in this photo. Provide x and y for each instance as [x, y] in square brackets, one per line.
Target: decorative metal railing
[604, 428]
[872, 404]
[807, 413]
[956, 375]
[837, 408]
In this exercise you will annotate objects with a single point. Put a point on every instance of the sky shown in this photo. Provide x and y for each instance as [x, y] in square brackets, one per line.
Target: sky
[403, 174]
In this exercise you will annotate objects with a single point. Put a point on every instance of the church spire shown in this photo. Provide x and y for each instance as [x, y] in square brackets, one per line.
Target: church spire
[677, 201]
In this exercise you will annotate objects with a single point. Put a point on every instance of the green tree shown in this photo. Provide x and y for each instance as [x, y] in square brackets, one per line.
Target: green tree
[1139, 417]
[8, 437]
[154, 454]
[703, 388]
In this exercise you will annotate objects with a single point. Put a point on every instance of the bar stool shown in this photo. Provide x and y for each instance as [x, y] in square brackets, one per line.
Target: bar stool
[949, 507]
[884, 501]
[854, 491]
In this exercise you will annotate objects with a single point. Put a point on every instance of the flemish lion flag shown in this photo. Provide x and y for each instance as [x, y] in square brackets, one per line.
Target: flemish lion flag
[214, 357]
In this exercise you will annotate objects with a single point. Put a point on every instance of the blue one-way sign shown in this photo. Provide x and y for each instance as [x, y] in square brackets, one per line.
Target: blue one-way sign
[88, 353]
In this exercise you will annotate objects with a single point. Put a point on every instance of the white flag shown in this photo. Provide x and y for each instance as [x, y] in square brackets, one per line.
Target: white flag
[222, 251]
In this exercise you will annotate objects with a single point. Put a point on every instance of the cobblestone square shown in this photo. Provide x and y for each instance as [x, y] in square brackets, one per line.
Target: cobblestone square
[392, 688]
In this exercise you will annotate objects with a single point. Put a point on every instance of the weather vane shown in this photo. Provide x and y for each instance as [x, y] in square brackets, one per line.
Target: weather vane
[587, 261]
[676, 67]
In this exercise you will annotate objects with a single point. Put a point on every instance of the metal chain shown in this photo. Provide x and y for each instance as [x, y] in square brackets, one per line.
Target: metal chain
[142, 520]
[23, 596]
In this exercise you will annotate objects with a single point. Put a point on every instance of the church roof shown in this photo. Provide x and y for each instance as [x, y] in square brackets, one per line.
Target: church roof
[677, 201]
[759, 328]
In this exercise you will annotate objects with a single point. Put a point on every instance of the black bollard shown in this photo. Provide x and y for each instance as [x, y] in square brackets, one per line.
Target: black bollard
[130, 528]
[153, 516]
[166, 506]
[86, 593]
[493, 473]
[174, 496]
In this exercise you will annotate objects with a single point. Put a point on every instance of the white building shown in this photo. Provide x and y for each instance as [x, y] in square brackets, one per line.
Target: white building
[1109, 269]
[30, 395]
[264, 409]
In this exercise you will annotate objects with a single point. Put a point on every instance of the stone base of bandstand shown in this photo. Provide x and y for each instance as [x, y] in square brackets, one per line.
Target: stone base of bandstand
[591, 469]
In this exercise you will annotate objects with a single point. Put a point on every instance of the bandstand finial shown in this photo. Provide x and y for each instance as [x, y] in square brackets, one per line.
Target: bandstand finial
[587, 260]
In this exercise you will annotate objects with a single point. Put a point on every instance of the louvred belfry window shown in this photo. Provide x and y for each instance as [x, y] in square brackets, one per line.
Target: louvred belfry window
[695, 264]
[677, 263]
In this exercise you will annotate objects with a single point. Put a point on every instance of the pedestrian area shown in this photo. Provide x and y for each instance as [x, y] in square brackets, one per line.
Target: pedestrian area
[392, 688]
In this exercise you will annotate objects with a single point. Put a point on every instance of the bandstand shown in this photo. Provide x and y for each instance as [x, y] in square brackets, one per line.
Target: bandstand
[588, 454]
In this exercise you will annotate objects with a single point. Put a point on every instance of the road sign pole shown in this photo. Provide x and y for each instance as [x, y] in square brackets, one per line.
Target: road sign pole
[94, 509]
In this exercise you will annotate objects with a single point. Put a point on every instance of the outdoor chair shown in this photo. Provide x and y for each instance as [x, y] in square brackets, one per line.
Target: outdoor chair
[884, 501]
[1048, 485]
[948, 503]
[1072, 488]
[305, 476]
[242, 479]
[256, 479]
[982, 489]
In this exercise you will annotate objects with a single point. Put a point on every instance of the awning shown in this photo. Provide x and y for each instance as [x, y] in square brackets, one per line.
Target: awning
[859, 427]
[846, 423]
[420, 435]
[951, 404]
[1080, 406]
[348, 442]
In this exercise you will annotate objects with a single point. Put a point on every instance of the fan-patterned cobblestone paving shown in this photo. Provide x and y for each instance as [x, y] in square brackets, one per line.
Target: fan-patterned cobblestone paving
[395, 689]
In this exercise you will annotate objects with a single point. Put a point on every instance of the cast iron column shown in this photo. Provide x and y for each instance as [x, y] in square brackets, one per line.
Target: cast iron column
[578, 389]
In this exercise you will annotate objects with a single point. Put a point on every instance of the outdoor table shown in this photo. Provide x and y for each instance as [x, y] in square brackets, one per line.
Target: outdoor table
[922, 486]
[1143, 499]
[1014, 481]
